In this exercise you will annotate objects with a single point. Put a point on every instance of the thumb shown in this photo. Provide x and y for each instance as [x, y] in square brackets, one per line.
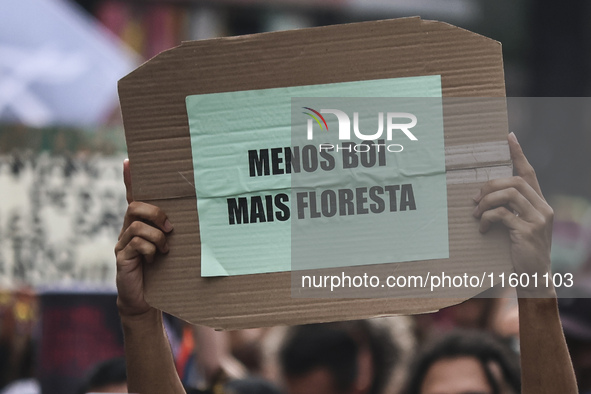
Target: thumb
[521, 166]
[127, 180]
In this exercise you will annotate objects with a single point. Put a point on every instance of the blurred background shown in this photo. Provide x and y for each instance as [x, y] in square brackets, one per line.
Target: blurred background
[62, 144]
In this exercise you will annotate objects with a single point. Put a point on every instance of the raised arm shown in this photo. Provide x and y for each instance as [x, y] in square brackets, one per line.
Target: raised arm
[518, 203]
[150, 365]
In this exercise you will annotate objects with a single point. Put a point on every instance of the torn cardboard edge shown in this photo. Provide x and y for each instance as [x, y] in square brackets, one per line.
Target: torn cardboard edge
[157, 132]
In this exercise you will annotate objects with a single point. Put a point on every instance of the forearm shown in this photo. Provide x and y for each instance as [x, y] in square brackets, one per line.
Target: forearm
[150, 365]
[545, 362]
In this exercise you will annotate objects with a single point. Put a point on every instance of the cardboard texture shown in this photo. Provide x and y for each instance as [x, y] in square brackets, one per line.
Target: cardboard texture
[156, 126]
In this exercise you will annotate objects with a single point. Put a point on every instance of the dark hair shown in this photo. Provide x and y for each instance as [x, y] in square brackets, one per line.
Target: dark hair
[481, 345]
[251, 385]
[108, 372]
[335, 346]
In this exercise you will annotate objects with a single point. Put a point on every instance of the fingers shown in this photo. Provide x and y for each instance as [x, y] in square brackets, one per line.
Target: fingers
[130, 253]
[521, 165]
[512, 201]
[509, 197]
[140, 241]
[127, 180]
[143, 232]
[139, 211]
[519, 184]
[499, 214]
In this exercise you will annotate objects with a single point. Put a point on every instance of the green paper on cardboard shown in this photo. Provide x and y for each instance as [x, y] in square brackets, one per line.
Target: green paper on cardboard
[272, 196]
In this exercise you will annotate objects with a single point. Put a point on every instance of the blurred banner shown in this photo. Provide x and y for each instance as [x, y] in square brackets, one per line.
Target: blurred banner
[78, 330]
[60, 219]
[57, 65]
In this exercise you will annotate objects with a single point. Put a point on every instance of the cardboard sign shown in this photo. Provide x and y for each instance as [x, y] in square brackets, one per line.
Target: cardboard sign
[183, 85]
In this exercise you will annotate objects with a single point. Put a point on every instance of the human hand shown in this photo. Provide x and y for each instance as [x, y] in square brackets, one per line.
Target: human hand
[518, 203]
[142, 236]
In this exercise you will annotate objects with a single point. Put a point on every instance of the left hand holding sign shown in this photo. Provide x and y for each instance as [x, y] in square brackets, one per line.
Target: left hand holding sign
[150, 366]
[142, 236]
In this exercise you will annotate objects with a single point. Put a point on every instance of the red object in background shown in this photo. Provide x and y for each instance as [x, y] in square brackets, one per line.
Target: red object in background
[186, 351]
[78, 330]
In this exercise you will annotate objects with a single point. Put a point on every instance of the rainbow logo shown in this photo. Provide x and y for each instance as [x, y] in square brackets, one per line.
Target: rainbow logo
[316, 118]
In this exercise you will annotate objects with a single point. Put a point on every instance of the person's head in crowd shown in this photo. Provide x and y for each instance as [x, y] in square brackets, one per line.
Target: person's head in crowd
[473, 314]
[250, 385]
[353, 357]
[465, 362]
[109, 376]
[575, 314]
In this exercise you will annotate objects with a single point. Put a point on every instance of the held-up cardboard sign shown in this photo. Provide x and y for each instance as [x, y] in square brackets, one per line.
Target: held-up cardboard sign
[272, 138]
